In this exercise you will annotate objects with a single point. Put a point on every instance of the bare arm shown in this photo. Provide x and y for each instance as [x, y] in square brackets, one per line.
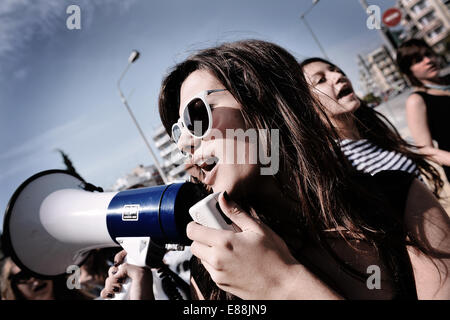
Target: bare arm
[429, 224]
[416, 113]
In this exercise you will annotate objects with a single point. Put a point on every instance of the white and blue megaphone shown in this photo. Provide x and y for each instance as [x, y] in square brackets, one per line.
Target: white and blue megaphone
[52, 222]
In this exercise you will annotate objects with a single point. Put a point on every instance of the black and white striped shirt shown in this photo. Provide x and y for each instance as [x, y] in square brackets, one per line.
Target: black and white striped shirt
[370, 158]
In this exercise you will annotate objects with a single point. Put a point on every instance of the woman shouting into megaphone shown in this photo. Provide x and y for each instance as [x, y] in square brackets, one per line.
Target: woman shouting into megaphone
[309, 225]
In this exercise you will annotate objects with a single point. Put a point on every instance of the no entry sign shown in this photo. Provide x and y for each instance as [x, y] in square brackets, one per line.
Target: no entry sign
[392, 17]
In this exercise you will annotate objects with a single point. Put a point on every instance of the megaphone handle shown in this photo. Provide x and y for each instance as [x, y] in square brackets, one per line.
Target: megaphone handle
[124, 294]
[137, 250]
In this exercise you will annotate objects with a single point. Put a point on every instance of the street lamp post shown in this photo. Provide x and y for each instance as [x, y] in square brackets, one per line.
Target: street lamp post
[303, 17]
[133, 57]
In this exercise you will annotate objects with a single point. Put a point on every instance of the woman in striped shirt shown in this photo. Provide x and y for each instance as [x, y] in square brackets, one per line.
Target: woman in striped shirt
[369, 141]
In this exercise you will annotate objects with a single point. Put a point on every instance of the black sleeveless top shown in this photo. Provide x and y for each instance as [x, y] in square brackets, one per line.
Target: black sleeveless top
[391, 188]
[438, 114]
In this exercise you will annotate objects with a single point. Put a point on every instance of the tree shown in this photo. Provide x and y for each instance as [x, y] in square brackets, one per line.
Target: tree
[371, 99]
[69, 165]
[70, 168]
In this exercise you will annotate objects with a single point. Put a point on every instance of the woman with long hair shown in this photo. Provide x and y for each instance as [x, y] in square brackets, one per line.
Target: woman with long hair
[313, 227]
[368, 139]
[428, 107]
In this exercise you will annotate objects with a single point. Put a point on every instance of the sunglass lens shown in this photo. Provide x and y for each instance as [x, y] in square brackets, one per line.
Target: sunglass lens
[196, 117]
[176, 133]
[20, 277]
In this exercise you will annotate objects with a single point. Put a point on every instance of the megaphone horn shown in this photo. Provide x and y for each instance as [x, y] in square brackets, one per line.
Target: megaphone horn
[52, 222]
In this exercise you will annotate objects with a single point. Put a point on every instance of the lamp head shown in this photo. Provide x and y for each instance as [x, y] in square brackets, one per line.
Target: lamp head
[133, 56]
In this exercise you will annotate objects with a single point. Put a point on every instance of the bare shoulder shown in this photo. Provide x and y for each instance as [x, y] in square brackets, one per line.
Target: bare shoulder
[415, 102]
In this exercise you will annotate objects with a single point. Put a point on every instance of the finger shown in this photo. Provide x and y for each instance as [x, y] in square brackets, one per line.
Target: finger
[117, 288]
[216, 275]
[112, 271]
[121, 274]
[236, 214]
[105, 294]
[217, 259]
[120, 257]
[206, 235]
[200, 250]
[116, 282]
[110, 282]
[108, 290]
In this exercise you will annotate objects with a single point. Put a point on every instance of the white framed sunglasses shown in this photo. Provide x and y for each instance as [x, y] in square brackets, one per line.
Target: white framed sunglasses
[196, 117]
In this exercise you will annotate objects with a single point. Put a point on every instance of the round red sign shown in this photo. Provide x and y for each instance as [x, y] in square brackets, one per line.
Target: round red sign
[392, 17]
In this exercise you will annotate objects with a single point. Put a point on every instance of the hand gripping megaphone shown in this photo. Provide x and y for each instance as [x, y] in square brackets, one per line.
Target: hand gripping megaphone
[52, 222]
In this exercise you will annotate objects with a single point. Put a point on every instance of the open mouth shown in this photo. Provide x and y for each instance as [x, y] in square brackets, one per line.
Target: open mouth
[345, 91]
[207, 165]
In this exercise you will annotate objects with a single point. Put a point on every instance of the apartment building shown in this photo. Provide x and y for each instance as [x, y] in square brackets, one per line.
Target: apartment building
[141, 176]
[379, 74]
[429, 20]
[366, 80]
[172, 159]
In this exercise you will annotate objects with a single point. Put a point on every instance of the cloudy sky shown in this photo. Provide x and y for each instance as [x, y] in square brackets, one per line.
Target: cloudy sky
[58, 86]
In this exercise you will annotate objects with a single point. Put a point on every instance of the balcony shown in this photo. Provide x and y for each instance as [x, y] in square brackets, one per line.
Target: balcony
[175, 159]
[385, 63]
[158, 133]
[176, 171]
[163, 152]
[379, 59]
[433, 25]
[436, 35]
[421, 12]
[409, 3]
[389, 71]
[161, 142]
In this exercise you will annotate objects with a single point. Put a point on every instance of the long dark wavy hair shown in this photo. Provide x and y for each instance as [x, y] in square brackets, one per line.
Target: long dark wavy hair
[269, 84]
[375, 127]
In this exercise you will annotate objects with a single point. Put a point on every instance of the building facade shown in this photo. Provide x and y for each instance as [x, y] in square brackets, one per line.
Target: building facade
[428, 20]
[139, 177]
[366, 79]
[379, 73]
[172, 159]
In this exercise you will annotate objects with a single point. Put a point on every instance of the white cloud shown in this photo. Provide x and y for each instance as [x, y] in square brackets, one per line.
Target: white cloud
[22, 20]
